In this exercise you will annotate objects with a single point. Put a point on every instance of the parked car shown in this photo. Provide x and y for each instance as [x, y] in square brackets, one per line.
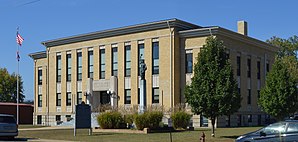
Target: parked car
[284, 131]
[8, 126]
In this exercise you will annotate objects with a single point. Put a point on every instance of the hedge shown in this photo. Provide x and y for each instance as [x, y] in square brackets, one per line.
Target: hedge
[180, 119]
[111, 120]
[148, 120]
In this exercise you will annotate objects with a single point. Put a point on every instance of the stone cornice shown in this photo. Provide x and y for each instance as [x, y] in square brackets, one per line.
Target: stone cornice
[38, 55]
[178, 24]
[208, 31]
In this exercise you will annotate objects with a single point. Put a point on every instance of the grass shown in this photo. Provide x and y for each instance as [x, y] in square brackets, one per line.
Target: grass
[24, 126]
[221, 134]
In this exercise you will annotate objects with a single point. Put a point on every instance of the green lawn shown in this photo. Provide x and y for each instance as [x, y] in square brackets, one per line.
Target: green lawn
[24, 126]
[222, 134]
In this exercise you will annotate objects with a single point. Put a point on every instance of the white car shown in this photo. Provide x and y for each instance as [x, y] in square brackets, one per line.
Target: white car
[8, 126]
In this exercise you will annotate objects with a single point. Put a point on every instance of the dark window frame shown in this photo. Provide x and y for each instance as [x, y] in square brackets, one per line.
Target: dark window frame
[79, 67]
[114, 62]
[102, 64]
[155, 56]
[58, 68]
[90, 64]
[39, 100]
[127, 72]
[79, 97]
[155, 101]
[188, 61]
[58, 99]
[249, 96]
[248, 67]
[238, 65]
[68, 99]
[39, 78]
[141, 48]
[68, 67]
[258, 69]
[127, 97]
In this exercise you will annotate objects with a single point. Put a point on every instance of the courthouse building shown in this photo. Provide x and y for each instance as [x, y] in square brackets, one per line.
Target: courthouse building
[93, 67]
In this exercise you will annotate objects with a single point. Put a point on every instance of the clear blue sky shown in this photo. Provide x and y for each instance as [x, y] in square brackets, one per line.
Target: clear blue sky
[41, 20]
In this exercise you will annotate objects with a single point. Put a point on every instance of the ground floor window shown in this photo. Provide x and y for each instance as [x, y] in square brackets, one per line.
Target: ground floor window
[228, 122]
[203, 121]
[39, 119]
[79, 97]
[127, 96]
[239, 117]
[155, 95]
[68, 117]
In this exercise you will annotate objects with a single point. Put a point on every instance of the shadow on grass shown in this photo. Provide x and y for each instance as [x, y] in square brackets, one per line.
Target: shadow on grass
[231, 137]
[16, 139]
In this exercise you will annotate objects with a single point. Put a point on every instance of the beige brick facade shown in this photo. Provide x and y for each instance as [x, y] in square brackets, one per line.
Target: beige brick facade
[170, 80]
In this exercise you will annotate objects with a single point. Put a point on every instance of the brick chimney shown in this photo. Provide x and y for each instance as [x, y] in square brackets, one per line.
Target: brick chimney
[242, 27]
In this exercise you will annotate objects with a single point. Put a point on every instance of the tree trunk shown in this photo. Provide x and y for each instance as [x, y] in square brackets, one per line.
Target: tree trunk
[213, 123]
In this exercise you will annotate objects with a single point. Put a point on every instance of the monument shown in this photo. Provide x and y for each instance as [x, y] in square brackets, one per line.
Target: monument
[143, 69]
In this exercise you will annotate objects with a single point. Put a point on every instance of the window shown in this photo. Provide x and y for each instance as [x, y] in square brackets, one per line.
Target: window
[127, 96]
[79, 97]
[58, 66]
[68, 65]
[127, 61]
[228, 54]
[58, 99]
[155, 52]
[115, 61]
[249, 117]
[141, 55]
[39, 102]
[248, 68]
[293, 127]
[258, 69]
[239, 91]
[267, 66]
[58, 117]
[258, 94]
[68, 99]
[68, 118]
[102, 64]
[249, 96]
[189, 62]
[155, 95]
[39, 119]
[238, 65]
[79, 66]
[139, 95]
[275, 128]
[90, 64]
[39, 76]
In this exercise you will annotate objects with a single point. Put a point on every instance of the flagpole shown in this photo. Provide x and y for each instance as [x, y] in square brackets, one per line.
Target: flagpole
[18, 81]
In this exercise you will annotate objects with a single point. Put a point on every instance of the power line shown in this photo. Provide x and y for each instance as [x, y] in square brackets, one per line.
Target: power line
[27, 3]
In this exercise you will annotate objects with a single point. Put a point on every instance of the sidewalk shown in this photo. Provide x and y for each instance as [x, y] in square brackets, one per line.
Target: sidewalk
[47, 128]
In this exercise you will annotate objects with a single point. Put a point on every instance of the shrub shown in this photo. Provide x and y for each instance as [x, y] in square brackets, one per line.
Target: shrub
[111, 120]
[129, 118]
[180, 119]
[148, 120]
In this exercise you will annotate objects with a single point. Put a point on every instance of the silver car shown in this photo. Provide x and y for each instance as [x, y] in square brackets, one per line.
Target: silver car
[8, 126]
[284, 131]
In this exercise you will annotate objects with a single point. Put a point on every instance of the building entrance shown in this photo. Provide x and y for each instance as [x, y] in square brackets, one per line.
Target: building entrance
[104, 98]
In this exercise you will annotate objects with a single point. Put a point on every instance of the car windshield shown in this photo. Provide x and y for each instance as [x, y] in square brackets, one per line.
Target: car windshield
[7, 119]
[274, 128]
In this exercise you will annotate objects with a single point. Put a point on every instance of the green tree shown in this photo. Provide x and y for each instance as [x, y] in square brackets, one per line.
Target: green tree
[8, 87]
[213, 91]
[279, 97]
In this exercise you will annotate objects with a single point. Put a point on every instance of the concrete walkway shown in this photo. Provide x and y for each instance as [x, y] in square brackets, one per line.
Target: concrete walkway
[47, 128]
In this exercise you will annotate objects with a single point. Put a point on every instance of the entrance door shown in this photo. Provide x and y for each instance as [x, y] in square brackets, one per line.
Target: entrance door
[104, 98]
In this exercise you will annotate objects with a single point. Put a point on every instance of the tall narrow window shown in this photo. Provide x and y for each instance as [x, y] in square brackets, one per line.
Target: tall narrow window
[58, 65]
[155, 52]
[39, 76]
[155, 95]
[39, 119]
[115, 61]
[58, 99]
[189, 62]
[79, 97]
[141, 55]
[79, 66]
[248, 68]
[90, 64]
[127, 96]
[258, 69]
[139, 95]
[258, 94]
[68, 64]
[238, 65]
[228, 53]
[102, 64]
[39, 103]
[249, 96]
[68, 99]
[267, 66]
[127, 61]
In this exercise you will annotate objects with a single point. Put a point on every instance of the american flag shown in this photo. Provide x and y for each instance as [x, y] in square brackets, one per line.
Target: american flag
[19, 39]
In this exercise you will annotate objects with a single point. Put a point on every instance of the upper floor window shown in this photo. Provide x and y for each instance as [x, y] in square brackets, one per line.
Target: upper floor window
[267, 66]
[102, 64]
[68, 65]
[79, 97]
[127, 61]
[238, 65]
[141, 54]
[248, 68]
[39, 76]
[115, 61]
[258, 69]
[249, 96]
[155, 56]
[90, 64]
[68, 99]
[39, 102]
[58, 65]
[79, 66]
[189, 63]
[58, 99]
